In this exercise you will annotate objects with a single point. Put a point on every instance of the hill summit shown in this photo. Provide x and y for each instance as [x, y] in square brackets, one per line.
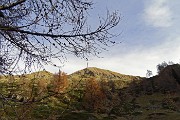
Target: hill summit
[102, 73]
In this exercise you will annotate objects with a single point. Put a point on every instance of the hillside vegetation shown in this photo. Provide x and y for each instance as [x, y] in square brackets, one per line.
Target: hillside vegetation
[91, 93]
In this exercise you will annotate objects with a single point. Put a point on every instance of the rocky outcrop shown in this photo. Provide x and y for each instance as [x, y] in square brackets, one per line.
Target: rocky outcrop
[167, 80]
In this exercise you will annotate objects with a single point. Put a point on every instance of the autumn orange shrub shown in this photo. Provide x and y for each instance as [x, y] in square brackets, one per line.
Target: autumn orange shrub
[94, 97]
[60, 82]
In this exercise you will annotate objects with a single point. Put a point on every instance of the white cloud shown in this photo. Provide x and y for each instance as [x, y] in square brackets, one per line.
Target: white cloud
[144, 58]
[157, 13]
[141, 59]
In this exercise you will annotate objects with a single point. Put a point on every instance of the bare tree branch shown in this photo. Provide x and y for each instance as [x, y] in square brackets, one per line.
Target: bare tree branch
[4, 7]
[39, 31]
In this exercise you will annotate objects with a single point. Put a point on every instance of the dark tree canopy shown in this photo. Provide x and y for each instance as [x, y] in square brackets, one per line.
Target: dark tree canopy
[163, 65]
[37, 31]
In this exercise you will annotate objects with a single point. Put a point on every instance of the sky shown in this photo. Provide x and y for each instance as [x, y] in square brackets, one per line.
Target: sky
[150, 34]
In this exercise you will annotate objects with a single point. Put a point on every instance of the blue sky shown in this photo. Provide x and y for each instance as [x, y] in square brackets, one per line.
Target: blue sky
[150, 35]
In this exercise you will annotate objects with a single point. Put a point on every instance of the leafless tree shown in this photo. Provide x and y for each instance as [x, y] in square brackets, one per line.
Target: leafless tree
[149, 74]
[37, 31]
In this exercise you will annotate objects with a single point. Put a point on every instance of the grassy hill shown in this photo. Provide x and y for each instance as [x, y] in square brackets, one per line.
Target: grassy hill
[102, 73]
[81, 74]
[120, 80]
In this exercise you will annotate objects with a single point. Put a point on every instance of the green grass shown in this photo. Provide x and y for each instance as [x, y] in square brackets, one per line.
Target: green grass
[78, 116]
[152, 109]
